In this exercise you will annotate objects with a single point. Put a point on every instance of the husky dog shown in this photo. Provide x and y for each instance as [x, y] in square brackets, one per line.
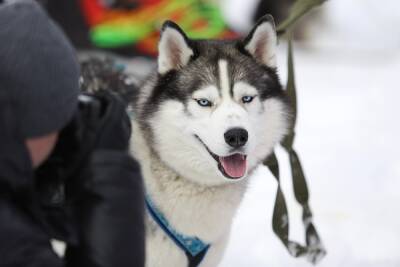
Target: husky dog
[204, 121]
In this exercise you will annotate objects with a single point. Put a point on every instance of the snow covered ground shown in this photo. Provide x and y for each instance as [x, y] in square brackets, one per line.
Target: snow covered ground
[348, 134]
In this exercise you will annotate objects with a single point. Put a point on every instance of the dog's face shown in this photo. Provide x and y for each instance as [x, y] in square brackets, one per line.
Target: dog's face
[216, 108]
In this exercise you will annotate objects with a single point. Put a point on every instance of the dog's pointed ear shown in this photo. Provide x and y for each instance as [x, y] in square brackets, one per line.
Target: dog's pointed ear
[174, 50]
[261, 42]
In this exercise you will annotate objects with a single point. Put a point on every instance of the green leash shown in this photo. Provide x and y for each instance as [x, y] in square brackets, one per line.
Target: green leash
[313, 250]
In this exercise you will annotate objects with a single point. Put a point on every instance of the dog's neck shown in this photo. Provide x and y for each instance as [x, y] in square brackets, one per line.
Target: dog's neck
[191, 208]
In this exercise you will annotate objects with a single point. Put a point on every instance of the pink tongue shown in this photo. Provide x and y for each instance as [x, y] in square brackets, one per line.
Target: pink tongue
[234, 166]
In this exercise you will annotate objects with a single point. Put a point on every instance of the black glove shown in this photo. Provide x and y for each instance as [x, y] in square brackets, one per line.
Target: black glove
[115, 127]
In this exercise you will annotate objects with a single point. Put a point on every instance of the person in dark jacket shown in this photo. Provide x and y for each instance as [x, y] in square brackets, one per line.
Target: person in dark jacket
[65, 168]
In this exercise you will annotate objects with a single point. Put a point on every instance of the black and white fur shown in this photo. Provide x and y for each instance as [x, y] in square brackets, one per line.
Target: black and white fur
[177, 141]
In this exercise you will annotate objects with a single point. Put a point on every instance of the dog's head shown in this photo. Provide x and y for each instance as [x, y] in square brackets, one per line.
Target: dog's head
[215, 109]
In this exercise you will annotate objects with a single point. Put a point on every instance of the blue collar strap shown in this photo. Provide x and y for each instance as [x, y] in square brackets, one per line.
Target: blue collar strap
[192, 246]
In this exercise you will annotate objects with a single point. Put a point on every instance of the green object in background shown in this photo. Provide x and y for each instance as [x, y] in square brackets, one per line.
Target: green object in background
[106, 35]
[128, 29]
[133, 28]
[214, 19]
[314, 250]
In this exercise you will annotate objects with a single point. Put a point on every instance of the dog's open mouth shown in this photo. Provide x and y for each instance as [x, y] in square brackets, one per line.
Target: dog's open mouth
[233, 166]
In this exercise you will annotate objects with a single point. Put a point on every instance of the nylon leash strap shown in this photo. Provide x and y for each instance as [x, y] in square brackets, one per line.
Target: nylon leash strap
[314, 250]
[194, 248]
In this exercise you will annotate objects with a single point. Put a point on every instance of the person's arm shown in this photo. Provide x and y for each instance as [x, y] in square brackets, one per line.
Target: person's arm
[110, 214]
[111, 207]
[22, 241]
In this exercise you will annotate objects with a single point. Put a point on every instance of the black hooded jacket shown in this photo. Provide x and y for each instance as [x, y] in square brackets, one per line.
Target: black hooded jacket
[88, 193]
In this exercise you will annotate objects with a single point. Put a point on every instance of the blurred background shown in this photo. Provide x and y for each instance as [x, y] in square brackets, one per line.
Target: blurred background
[347, 60]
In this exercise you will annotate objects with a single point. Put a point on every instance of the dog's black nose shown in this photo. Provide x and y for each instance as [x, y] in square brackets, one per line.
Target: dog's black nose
[236, 137]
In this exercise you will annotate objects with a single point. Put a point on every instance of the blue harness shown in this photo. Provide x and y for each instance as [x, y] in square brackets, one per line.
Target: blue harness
[194, 248]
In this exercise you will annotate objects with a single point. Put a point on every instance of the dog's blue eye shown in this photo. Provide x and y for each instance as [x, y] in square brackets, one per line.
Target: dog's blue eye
[204, 102]
[247, 99]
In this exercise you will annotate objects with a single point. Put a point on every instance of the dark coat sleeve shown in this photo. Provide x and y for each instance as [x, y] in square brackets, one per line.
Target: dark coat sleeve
[111, 224]
[22, 241]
